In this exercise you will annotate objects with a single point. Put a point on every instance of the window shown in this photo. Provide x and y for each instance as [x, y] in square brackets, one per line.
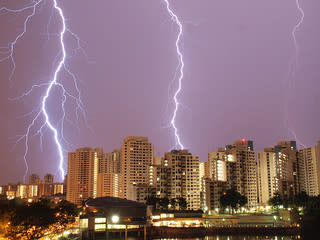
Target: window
[100, 227]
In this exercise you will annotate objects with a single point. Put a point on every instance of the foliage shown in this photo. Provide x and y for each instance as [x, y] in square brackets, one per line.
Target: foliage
[301, 199]
[151, 200]
[7, 210]
[276, 200]
[313, 206]
[31, 220]
[233, 199]
[182, 203]
[66, 212]
[173, 202]
[162, 203]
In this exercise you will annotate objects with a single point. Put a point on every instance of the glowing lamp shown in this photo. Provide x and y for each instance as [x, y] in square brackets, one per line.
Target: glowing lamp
[115, 219]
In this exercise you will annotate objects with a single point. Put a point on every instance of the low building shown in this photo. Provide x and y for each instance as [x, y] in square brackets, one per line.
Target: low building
[107, 214]
[177, 219]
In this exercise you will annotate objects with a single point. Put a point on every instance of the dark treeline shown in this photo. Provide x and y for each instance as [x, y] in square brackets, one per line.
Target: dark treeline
[20, 219]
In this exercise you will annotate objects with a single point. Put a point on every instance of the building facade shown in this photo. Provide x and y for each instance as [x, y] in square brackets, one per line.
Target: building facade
[309, 166]
[136, 159]
[181, 177]
[108, 184]
[82, 175]
[231, 167]
[278, 171]
[34, 179]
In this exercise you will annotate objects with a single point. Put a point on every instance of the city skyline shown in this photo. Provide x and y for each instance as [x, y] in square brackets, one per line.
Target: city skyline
[237, 58]
[114, 155]
[134, 173]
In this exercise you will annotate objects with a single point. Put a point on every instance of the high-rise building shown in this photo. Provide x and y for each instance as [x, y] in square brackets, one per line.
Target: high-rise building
[154, 173]
[159, 176]
[211, 191]
[231, 167]
[143, 191]
[58, 188]
[82, 175]
[136, 158]
[182, 177]
[278, 171]
[217, 165]
[48, 178]
[108, 184]
[34, 179]
[309, 170]
[242, 170]
[267, 176]
[46, 189]
[110, 162]
[109, 174]
[27, 190]
[202, 170]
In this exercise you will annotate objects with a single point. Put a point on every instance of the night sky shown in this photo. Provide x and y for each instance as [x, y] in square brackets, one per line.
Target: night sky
[240, 80]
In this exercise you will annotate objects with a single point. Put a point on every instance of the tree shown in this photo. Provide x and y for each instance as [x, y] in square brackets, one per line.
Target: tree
[243, 200]
[301, 199]
[182, 203]
[66, 212]
[173, 202]
[276, 200]
[30, 221]
[164, 202]
[313, 206]
[233, 199]
[152, 200]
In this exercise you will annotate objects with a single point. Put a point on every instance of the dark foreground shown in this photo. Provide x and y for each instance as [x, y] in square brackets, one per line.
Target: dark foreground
[165, 232]
[227, 233]
[310, 229]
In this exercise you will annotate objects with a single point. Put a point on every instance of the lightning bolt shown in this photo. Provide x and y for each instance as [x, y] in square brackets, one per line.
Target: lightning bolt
[295, 29]
[41, 115]
[175, 19]
[293, 68]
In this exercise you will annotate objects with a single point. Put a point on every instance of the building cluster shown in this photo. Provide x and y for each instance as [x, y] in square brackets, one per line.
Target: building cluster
[34, 189]
[133, 173]
[278, 169]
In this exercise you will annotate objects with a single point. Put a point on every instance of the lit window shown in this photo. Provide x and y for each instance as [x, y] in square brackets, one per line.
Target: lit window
[100, 227]
[83, 223]
[100, 220]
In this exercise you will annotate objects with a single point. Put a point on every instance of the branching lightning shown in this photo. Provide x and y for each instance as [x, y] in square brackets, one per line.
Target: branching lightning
[293, 67]
[175, 18]
[41, 115]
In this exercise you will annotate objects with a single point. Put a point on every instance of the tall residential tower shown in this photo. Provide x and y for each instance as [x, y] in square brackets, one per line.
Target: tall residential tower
[136, 159]
[309, 166]
[278, 171]
[82, 174]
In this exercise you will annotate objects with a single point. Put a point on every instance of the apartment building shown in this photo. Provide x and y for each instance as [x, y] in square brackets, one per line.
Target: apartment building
[309, 170]
[82, 174]
[278, 171]
[231, 167]
[181, 172]
[136, 159]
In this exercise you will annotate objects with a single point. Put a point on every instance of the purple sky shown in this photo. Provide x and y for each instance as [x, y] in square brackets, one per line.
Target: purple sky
[237, 61]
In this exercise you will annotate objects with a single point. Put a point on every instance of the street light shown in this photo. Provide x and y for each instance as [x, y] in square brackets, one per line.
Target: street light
[115, 219]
